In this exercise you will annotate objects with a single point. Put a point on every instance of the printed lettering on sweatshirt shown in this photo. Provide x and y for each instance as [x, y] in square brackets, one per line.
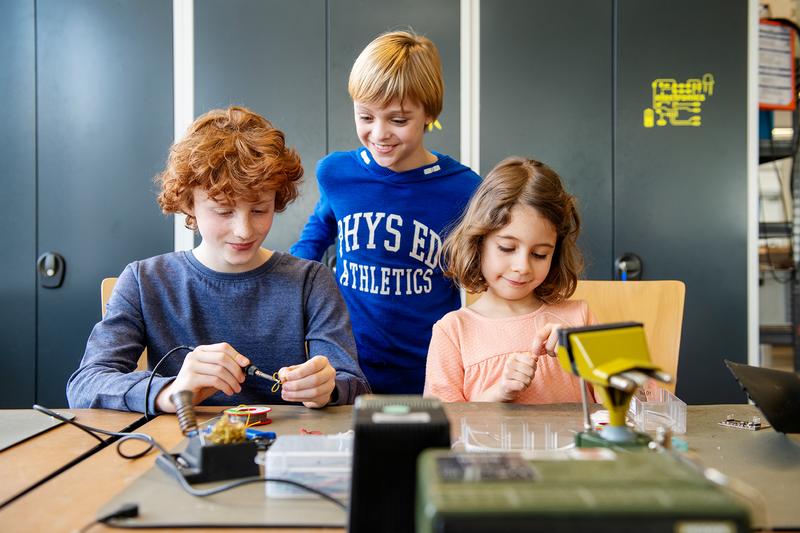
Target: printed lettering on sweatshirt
[384, 233]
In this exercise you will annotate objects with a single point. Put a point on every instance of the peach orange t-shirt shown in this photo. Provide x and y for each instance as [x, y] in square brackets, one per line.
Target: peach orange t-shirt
[468, 352]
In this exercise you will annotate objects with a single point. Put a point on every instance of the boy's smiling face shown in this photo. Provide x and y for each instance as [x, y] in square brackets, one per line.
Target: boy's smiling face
[232, 234]
[393, 134]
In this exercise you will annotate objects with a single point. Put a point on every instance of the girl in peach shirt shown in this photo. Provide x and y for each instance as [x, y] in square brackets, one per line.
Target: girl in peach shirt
[516, 244]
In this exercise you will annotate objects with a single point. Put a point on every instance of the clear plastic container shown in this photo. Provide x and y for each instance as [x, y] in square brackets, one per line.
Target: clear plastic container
[511, 433]
[654, 406]
[320, 461]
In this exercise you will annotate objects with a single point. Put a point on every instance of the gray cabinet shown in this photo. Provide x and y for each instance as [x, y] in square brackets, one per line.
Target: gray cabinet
[680, 192]
[18, 213]
[569, 83]
[84, 164]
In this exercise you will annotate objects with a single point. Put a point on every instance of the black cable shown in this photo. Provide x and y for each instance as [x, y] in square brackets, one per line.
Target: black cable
[150, 380]
[174, 467]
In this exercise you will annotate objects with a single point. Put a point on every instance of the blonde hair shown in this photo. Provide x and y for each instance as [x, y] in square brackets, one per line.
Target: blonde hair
[517, 181]
[399, 65]
[233, 154]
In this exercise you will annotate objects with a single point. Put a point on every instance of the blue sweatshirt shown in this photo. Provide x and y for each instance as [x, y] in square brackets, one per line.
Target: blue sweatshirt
[266, 314]
[389, 229]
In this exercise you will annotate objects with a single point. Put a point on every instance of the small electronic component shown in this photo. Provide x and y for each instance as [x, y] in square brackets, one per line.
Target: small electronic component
[753, 424]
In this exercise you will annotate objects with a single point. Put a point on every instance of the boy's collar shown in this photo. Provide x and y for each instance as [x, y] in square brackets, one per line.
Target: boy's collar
[427, 170]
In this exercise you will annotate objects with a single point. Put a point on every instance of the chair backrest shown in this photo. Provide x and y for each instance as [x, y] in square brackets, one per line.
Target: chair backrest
[106, 288]
[656, 304]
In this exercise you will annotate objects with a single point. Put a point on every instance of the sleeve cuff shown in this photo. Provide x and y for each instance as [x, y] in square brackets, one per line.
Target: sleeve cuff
[134, 398]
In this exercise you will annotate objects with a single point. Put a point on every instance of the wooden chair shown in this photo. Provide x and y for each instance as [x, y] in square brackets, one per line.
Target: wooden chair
[656, 304]
[106, 288]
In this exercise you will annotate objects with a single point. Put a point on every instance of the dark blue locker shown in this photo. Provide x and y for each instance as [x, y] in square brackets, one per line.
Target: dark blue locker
[18, 215]
[104, 123]
[680, 191]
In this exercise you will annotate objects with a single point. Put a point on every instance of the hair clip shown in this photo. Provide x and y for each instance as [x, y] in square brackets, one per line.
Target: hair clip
[435, 123]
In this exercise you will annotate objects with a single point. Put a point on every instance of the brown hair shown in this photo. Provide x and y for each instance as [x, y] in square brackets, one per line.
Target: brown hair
[514, 181]
[233, 154]
[399, 65]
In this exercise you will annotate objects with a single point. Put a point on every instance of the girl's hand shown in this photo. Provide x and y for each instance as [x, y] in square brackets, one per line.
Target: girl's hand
[545, 341]
[518, 373]
[206, 370]
[311, 382]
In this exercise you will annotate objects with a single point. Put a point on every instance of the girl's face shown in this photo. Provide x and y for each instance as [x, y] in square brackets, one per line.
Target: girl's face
[232, 234]
[516, 258]
[393, 134]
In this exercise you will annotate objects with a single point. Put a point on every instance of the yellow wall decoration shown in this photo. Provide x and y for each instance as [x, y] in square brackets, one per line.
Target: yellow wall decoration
[678, 104]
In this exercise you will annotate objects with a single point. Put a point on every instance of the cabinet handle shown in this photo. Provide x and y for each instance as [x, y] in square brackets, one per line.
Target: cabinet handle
[51, 267]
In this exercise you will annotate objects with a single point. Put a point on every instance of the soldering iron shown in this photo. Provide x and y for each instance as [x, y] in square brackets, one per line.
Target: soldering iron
[252, 370]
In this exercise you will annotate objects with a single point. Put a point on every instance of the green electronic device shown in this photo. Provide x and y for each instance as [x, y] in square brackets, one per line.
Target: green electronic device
[591, 489]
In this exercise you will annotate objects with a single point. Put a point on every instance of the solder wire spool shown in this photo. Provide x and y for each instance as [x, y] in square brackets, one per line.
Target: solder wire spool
[249, 415]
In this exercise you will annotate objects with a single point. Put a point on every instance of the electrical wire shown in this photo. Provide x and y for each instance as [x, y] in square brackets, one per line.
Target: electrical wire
[153, 373]
[174, 468]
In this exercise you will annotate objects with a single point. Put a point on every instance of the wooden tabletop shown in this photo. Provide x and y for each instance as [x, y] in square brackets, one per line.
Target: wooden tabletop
[766, 460]
[25, 464]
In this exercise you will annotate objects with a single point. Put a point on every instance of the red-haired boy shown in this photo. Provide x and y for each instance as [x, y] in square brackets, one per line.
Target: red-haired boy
[235, 302]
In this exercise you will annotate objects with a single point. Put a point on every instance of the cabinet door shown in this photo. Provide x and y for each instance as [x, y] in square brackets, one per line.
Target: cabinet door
[268, 56]
[354, 23]
[104, 128]
[680, 191]
[18, 215]
[546, 94]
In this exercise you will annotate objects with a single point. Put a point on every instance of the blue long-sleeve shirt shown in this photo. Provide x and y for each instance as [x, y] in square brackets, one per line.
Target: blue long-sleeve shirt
[267, 314]
[389, 228]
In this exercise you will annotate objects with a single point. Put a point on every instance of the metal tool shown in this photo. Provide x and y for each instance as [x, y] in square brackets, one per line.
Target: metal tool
[614, 358]
[252, 370]
[202, 461]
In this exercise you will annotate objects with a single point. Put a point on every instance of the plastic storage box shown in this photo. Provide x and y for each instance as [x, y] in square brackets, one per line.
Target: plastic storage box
[511, 433]
[654, 406]
[320, 461]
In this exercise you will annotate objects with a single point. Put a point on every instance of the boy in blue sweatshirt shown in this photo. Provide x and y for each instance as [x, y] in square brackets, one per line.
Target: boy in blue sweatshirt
[387, 206]
[229, 300]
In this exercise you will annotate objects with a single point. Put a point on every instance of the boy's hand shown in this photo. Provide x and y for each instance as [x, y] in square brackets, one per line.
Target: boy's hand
[206, 370]
[311, 382]
[518, 373]
[545, 341]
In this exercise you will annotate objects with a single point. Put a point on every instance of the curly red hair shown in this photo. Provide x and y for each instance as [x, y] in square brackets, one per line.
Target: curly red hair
[232, 154]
